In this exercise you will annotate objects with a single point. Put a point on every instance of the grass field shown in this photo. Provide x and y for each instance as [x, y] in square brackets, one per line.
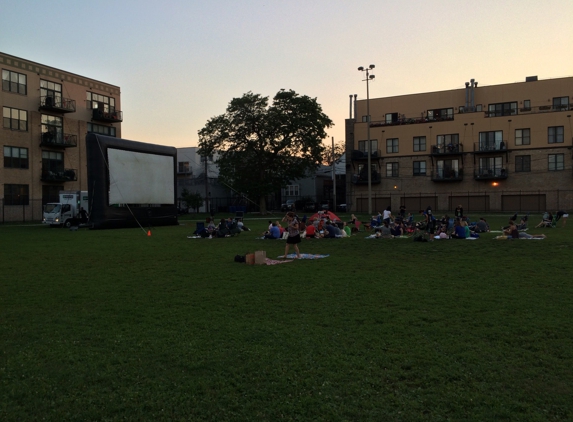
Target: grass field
[117, 325]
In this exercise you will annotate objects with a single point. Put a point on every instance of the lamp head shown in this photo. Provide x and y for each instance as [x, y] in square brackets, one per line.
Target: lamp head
[371, 66]
[361, 68]
[372, 76]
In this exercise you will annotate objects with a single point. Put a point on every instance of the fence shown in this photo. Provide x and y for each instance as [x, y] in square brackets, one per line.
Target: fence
[21, 213]
[498, 201]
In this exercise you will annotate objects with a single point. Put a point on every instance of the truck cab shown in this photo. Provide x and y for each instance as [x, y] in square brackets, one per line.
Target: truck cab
[66, 213]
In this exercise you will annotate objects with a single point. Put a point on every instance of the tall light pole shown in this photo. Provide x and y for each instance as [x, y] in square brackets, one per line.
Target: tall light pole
[368, 78]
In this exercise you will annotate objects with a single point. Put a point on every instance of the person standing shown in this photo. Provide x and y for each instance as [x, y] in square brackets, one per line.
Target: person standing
[293, 233]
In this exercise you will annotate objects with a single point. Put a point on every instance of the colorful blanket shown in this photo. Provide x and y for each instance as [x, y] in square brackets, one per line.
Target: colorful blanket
[304, 256]
[277, 261]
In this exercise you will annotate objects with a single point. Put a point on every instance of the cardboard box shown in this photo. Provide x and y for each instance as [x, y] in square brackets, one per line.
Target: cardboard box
[260, 257]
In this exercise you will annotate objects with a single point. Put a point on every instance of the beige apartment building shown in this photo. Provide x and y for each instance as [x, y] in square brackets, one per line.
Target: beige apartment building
[488, 148]
[47, 113]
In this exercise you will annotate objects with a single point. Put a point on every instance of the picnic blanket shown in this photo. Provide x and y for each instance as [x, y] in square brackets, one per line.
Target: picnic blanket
[277, 261]
[304, 256]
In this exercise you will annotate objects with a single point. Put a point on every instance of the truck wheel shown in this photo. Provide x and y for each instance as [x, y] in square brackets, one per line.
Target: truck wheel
[67, 224]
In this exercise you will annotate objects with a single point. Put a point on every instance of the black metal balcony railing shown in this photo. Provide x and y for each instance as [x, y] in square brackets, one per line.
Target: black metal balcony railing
[443, 149]
[529, 110]
[411, 120]
[58, 104]
[362, 178]
[485, 173]
[363, 155]
[58, 140]
[447, 175]
[485, 147]
[107, 116]
[65, 175]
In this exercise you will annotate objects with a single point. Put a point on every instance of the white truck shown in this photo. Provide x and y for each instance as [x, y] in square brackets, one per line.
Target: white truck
[66, 213]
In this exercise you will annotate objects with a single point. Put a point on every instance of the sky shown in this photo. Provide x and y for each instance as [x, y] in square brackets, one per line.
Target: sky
[180, 62]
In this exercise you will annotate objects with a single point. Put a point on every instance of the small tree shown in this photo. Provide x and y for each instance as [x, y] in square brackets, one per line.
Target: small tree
[193, 200]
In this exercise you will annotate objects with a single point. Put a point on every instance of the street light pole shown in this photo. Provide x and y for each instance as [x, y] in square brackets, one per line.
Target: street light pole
[368, 78]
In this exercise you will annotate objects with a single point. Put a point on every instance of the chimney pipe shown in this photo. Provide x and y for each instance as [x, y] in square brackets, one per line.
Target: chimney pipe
[355, 96]
[350, 116]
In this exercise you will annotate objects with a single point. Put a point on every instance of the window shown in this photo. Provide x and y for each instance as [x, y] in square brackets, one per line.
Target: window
[392, 145]
[447, 140]
[365, 119]
[52, 164]
[419, 143]
[363, 146]
[441, 114]
[526, 105]
[556, 162]
[447, 169]
[391, 169]
[291, 190]
[102, 130]
[491, 141]
[478, 107]
[502, 109]
[561, 103]
[209, 158]
[419, 168]
[555, 135]
[391, 118]
[522, 136]
[101, 102]
[522, 163]
[16, 195]
[15, 119]
[52, 129]
[51, 193]
[51, 93]
[491, 166]
[15, 157]
[183, 167]
[13, 82]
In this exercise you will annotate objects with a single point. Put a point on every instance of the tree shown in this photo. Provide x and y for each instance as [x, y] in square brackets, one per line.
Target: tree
[193, 200]
[329, 155]
[262, 147]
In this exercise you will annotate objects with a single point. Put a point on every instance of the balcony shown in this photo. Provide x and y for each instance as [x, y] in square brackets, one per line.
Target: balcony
[65, 175]
[403, 120]
[450, 149]
[490, 147]
[107, 116]
[529, 110]
[58, 140]
[484, 173]
[362, 178]
[363, 155]
[57, 104]
[447, 175]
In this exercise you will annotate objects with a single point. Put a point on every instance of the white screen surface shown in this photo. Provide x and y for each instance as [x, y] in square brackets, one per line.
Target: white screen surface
[140, 178]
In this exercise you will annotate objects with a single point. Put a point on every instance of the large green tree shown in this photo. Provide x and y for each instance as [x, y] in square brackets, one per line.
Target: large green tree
[262, 146]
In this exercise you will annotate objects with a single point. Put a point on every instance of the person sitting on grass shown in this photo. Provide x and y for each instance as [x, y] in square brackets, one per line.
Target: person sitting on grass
[513, 233]
[545, 220]
[273, 233]
[397, 228]
[310, 231]
[459, 230]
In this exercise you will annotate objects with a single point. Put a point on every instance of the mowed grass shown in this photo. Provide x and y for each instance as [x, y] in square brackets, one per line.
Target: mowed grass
[117, 325]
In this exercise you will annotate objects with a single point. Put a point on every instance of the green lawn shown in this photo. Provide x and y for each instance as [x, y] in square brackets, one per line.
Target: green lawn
[117, 325]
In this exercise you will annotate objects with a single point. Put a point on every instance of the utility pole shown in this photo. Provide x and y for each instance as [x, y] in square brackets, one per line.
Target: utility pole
[333, 176]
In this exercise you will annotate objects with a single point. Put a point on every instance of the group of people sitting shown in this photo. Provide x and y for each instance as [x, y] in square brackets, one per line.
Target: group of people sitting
[226, 228]
[317, 228]
[550, 220]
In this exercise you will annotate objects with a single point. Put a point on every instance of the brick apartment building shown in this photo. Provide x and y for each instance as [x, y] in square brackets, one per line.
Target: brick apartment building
[489, 148]
[47, 113]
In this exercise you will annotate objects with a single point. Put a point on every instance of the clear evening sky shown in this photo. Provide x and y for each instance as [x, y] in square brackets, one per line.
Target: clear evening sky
[178, 62]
